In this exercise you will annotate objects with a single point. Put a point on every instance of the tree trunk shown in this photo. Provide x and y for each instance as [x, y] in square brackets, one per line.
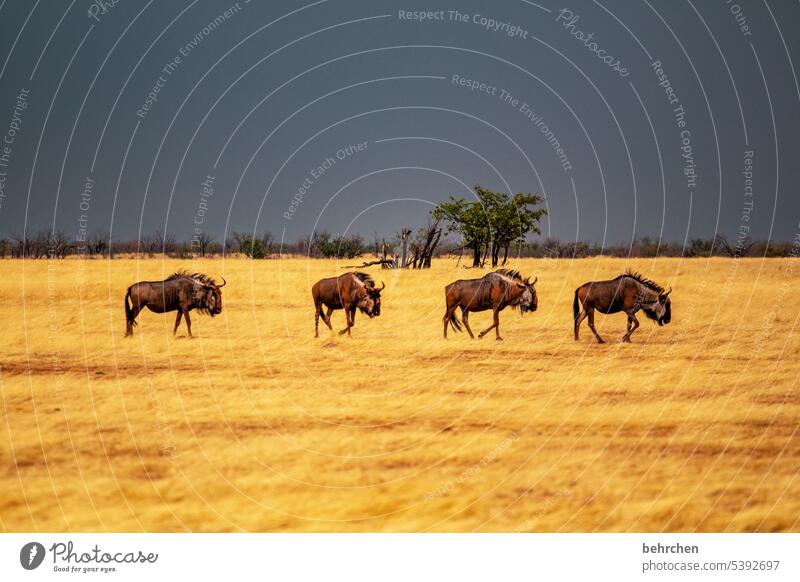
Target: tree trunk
[485, 254]
[384, 260]
[425, 261]
[476, 255]
[495, 253]
[404, 234]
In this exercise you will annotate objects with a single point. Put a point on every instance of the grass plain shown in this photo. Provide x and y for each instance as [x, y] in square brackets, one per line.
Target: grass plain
[256, 426]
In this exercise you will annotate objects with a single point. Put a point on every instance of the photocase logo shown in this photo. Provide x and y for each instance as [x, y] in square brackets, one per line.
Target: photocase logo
[31, 555]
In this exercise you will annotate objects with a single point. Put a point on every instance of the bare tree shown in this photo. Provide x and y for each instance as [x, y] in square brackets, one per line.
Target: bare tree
[202, 243]
[39, 244]
[238, 241]
[58, 244]
[18, 243]
[428, 239]
[164, 242]
[404, 235]
[98, 243]
[268, 243]
[740, 249]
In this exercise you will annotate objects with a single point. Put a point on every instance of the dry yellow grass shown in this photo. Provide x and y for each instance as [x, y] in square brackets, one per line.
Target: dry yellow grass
[256, 426]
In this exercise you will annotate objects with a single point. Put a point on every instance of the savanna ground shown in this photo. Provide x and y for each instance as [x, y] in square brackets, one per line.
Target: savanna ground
[255, 425]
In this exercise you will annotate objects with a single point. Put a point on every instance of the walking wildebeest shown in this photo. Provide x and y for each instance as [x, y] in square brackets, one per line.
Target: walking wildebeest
[493, 291]
[350, 291]
[629, 292]
[180, 292]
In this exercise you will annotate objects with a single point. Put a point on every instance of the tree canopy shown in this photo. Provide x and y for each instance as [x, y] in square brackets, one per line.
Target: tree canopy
[492, 222]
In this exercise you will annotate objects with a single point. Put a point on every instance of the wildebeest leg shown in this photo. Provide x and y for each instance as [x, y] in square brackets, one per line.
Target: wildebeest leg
[465, 319]
[350, 316]
[632, 321]
[352, 319]
[188, 322]
[590, 315]
[495, 326]
[177, 321]
[131, 319]
[325, 318]
[447, 315]
[578, 321]
[317, 313]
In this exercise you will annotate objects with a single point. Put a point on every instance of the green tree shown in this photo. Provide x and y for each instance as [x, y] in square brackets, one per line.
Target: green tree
[339, 246]
[492, 222]
[253, 248]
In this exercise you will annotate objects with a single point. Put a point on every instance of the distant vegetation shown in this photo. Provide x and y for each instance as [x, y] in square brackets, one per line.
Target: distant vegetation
[338, 246]
[44, 243]
[491, 226]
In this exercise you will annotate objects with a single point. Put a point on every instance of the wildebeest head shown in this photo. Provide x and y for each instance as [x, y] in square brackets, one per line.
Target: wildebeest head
[666, 313]
[208, 296]
[370, 302]
[529, 300]
[660, 311]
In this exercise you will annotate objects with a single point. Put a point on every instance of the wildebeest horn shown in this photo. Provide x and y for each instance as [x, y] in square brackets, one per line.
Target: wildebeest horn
[383, 286]
[534, 281]
[668, 292]
[224, 282]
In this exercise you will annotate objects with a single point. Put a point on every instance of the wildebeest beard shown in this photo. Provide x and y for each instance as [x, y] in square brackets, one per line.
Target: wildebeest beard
[371, 302]
[667, 317]
[651, 314]
[209, 300]
[660, 318]
[527, 300]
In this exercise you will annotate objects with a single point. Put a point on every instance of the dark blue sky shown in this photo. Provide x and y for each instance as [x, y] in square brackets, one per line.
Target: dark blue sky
[266, 93]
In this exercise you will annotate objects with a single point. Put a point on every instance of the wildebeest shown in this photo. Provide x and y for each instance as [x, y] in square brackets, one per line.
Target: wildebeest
[629, 292]
[493, 291]
[350, 291]
[180, 292]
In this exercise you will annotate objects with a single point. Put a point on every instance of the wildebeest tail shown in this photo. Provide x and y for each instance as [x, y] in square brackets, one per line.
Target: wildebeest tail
[454, 323]
[128, 310]
[576, 306]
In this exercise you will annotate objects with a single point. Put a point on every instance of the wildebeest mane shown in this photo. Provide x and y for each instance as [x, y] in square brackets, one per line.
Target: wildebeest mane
[649, 283]
[510, 273]
[364, 278]
[199, 277]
